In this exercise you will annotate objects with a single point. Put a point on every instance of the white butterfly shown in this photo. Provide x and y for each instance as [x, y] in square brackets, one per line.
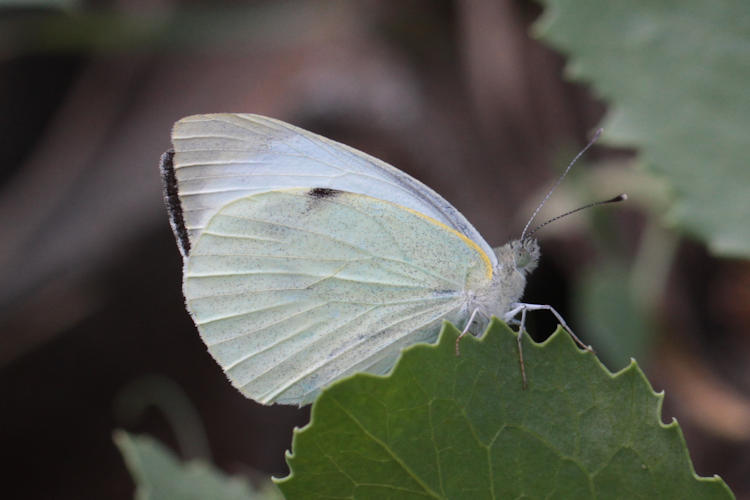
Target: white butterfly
[306, 260]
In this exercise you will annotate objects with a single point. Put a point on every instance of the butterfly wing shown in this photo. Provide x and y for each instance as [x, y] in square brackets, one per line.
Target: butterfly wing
[222, 157]
[296, 288]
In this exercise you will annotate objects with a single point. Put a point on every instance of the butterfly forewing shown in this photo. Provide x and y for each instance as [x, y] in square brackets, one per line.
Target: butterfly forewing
[222, 157]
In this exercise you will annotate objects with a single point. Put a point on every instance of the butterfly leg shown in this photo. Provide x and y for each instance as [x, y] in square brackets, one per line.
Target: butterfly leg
[539, 307]
[465, 330]
[509, 317]
[519, 337]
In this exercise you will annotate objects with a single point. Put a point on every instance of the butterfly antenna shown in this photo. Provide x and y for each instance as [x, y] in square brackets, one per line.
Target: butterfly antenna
[616, 199]
[559, 180]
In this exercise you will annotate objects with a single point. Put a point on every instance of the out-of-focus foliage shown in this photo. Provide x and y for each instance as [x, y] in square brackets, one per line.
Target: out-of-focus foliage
[215, 27]
[606, 307]
[675, 74]
[159, 475]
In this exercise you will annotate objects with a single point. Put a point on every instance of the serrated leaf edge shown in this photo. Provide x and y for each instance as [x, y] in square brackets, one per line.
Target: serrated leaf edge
[559, 335]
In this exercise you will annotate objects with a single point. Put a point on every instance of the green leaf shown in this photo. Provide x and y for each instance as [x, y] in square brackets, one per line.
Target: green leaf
[160, 475]
[675, 74]
[442, 426]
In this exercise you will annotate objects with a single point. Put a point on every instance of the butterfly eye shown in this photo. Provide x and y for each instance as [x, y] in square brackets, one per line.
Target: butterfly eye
[522, 258]
[525, 255]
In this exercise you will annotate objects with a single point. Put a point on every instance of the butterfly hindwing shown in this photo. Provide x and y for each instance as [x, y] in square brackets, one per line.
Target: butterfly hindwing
[295, 288]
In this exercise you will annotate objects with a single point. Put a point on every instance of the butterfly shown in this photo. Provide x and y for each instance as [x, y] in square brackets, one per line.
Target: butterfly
[306, 260]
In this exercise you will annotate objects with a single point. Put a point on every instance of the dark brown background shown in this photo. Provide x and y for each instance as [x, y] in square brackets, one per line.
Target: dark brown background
[455, 93]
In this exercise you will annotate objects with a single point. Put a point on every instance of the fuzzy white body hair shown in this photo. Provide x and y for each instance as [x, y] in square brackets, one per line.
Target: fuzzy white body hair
[514, 261]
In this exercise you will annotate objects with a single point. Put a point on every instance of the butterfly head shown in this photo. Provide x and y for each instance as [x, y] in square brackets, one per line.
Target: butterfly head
[514, 261]
[524, 254]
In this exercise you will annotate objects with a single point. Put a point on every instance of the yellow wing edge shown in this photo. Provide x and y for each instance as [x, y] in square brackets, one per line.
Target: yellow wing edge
[466, 240]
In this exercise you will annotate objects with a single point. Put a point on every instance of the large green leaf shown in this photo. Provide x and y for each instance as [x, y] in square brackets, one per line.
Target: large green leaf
[442, 426]
[675, 74]
[160, 475]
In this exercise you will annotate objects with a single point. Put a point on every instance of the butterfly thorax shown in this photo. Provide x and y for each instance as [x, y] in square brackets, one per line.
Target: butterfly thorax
[514, 261]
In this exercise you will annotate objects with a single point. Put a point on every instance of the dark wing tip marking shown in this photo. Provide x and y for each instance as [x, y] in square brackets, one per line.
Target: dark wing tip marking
[321, 192]
[172, 200]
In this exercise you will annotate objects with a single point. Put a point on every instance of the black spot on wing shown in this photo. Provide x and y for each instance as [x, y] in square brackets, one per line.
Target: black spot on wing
[321, 193]
[172, 200]
[315, 197]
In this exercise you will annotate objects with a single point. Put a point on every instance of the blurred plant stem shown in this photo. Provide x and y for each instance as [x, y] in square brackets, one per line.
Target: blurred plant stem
[651, 266]
[235, 27]
[168, 397]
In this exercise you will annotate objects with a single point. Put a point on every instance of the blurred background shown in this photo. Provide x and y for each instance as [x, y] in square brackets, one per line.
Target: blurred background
[95, 336]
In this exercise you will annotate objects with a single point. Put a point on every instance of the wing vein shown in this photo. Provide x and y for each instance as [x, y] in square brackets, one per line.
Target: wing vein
[327, 361]
[353, 246]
